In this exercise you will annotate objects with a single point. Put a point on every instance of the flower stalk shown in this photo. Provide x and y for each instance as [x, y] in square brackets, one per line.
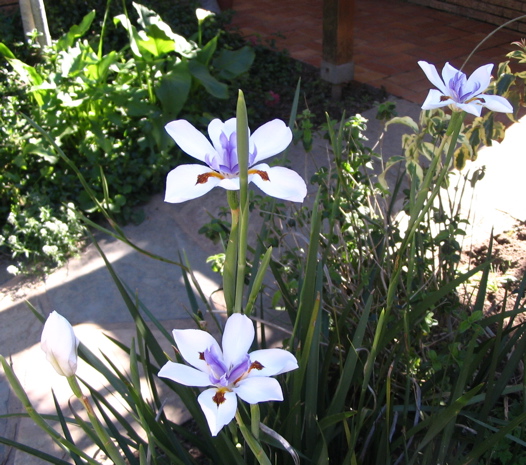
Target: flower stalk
[19, 391]
[242, 156]
[109, 446]
[252, 442]
[230, 270]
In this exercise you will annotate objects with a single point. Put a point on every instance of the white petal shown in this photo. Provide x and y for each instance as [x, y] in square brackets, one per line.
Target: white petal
[183, 374]
[231, 184]
[189, 139]
[230, 126]
[433, 100]
[473, 108]
[192, 343]
[274, 361]
[60, 344]
[270, 139]
[496, 103]
[450, 72]
[217, 416]
[282, 183]
[432, 74]
[254, 390]
[237, 338]
[482, 77]
[181, 183]
[215, 128]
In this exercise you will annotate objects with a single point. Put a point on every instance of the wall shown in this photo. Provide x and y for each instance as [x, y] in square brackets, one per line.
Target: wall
[491, 11]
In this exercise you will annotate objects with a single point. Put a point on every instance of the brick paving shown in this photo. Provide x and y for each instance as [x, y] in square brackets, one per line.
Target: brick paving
[390, 37]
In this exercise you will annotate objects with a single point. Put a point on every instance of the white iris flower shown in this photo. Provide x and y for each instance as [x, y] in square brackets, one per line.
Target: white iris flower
[231, 372]
[188, 182]
[455, 89]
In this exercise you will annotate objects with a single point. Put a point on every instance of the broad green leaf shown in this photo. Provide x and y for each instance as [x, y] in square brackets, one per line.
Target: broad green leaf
[462, 155]
[207, 52]
[152, 23]
[133, 36]
[155, 42]
[99, 70]
[46, 154]
[201, 73]
[504, 83]
[173, 90]
[76, 31]
[6, 52]
[406, 120]
[231, 64]
[27, 73]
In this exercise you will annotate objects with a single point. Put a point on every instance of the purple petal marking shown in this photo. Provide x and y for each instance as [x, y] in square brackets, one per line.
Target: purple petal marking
[228, 163]
[239, 370]
[252, 157]
[217, 367]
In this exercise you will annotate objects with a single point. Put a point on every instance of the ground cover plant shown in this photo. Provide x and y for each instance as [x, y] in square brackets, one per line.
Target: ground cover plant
[381, 362]
[106, 110]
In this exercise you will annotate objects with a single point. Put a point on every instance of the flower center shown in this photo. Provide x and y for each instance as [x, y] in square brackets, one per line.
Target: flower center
[223, 377]
[458, 93]
[225, 162]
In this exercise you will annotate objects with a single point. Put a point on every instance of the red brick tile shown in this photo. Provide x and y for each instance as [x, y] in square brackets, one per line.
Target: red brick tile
[390, 37]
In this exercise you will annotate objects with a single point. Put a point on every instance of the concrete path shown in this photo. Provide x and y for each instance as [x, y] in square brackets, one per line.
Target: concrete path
[84, 293]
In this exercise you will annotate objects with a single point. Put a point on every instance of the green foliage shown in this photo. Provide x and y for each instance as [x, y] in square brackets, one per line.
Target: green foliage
[107, 112]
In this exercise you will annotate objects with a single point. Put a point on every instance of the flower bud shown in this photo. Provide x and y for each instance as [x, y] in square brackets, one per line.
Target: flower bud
[60, 344]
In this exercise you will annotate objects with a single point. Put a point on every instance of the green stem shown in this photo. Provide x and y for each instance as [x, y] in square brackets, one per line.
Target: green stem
[255, 417]
[103, 29]
[252, 442]
[19, 391]
[242, 157]
[230, 268]
[107, 442]
[426, 195]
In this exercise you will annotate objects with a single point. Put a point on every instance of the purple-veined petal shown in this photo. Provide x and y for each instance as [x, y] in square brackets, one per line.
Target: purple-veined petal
[480, 79]
[434, 100]
[192, 343]
[182, 185]
[274, 362]
[472, 107]
[237, 338]
[496, 103]
[215, 128]
[449, 74]
[282, 183]
[432, 74]
[189, 139]
[270, 139]
[183, 374]
[217, 416]
[254, 390]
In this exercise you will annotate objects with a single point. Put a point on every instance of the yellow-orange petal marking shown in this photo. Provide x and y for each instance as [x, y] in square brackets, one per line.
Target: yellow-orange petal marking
[203, 178]
[262, 174]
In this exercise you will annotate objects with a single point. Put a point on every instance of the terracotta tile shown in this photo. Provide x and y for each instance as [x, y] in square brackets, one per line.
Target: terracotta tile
[390, 37]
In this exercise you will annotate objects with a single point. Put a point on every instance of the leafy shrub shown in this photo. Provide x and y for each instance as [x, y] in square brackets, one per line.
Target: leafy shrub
[107, 113]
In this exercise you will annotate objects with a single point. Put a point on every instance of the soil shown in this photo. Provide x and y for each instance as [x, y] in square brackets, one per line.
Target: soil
[507, 269]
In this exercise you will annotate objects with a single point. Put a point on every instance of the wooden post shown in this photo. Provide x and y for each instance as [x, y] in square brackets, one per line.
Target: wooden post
[34, 17]
[337, 66]
[27, 16]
